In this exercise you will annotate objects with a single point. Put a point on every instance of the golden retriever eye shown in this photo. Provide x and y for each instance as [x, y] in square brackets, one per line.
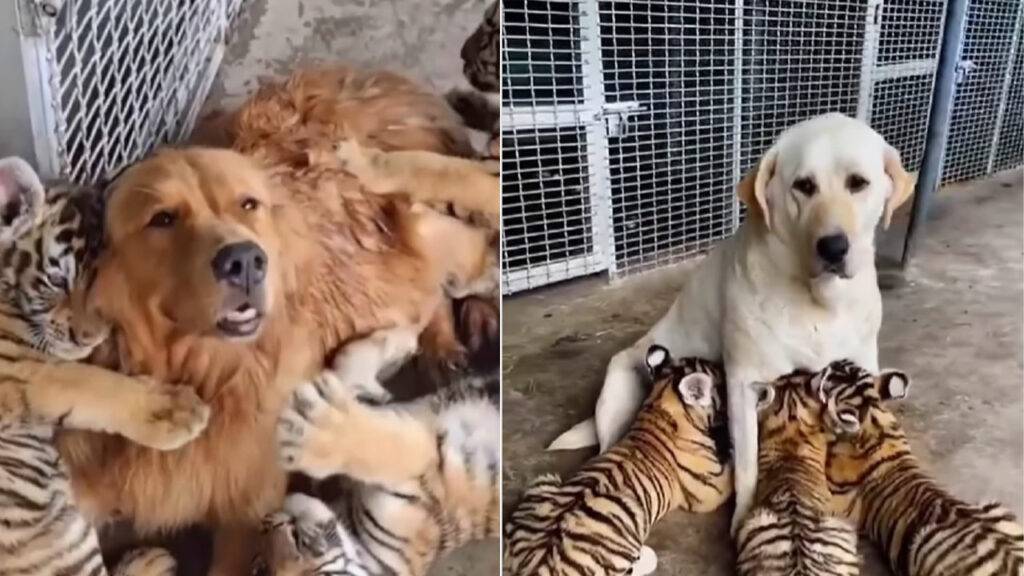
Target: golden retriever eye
[805, 186]
[855, 183]
[162, 219]
[249, 204]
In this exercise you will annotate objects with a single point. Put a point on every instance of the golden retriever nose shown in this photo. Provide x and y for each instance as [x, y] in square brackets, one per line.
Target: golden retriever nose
[241, 264]
[833, 248]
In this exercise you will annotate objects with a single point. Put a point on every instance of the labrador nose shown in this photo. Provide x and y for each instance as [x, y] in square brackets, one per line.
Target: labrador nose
[242, 265]
[833, 248]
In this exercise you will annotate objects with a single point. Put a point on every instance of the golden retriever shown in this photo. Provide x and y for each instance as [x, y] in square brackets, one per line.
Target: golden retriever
[239, 272]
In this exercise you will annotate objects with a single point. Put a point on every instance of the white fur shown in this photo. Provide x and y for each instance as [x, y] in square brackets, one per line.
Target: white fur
[760, 302]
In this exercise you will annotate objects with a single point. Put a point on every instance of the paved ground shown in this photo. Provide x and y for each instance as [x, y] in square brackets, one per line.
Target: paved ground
[956, 327]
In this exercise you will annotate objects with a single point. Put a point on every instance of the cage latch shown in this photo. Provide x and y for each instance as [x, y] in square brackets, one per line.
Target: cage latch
[617, 116]
[963, 68]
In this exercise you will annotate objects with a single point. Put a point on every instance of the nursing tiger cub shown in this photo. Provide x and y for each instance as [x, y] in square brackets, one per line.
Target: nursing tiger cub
[877, 483]
[674, 456]
[790, 530]
[49, 239]
[425, 477]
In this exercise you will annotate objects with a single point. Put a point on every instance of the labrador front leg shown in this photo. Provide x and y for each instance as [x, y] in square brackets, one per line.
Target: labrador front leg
[742, 407]
[621, 395]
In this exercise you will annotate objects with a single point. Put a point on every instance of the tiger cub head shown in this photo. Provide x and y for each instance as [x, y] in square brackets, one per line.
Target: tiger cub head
[481, 54]
[861, 430]
[305, 538]
[790, 415]
[49, 239]
[691, 391]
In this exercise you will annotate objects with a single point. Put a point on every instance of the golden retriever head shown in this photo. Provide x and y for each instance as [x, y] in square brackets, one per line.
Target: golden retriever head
[821, 190]
[191, 243]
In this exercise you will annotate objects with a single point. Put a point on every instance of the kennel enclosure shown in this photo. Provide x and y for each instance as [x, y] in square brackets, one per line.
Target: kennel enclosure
[105, 81]
[626, 124]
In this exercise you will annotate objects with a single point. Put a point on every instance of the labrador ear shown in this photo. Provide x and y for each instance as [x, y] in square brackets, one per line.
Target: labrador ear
[902, 183]
[695, 388]
[893, 385]
[752, 188]
[765, 394]
[657, 360]
[21, 198]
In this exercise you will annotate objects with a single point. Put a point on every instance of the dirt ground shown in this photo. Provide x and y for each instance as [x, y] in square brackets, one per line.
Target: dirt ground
[955, 327]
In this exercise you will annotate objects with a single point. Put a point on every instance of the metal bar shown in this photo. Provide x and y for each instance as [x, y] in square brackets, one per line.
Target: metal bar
[938, 123]
[872, 25]
[910, 68]
[737, 109]
[597, 135]
[1007, 81]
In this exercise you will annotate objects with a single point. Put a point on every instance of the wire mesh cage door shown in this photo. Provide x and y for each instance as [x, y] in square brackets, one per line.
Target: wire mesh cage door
[554, 166]
[111, 79]
[985, 132]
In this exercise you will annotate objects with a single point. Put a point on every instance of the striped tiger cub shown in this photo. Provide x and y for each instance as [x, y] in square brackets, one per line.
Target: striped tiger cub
[790, 530]
[424, 477]
[674, 456]
[878, 484]
[48, 241]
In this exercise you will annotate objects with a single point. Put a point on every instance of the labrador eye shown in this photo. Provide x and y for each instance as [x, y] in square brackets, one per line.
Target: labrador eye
[855, 183]
[249, 204]
[162, 219]
[805, 186]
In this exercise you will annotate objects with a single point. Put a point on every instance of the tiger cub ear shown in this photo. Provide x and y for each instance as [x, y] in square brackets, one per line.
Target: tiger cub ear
[765, 394]
[892, 384]
[658, 359]
[695, 388]
[21, 198]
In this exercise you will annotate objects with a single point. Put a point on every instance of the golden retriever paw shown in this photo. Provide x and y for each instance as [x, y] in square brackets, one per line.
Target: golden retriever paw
[147, 562]
[309, 427]
[169, 417]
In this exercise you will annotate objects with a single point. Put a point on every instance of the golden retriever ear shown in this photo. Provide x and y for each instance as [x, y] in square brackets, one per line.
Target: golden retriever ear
[751, 189]
[108, 294]
[902, 183]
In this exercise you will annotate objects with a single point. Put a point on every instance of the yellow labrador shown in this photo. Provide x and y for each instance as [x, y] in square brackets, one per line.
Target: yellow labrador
[795, 287]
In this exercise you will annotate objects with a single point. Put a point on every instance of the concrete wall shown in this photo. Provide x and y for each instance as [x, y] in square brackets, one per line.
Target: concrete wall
[419, 38]
[15, 123]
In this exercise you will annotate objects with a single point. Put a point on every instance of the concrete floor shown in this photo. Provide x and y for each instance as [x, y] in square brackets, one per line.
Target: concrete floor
[956, 327]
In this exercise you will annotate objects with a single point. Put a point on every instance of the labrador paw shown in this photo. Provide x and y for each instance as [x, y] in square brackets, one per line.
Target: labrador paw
[147, 562]
[169, 418]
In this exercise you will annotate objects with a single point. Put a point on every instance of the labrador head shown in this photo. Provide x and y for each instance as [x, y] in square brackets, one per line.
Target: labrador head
[821, 190]
[191, 240]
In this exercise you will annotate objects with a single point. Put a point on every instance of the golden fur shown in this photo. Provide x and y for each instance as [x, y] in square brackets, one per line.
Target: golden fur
[342, 263]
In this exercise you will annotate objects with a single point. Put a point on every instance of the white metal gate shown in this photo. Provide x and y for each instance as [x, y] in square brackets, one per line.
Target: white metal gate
[627, 123]
[110, 79]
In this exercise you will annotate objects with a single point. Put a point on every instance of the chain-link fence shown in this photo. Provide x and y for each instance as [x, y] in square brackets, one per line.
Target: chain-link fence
[626, 124]
[110, 79]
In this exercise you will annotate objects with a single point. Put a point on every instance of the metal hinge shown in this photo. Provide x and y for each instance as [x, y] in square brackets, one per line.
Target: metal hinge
[617, 116]
[963, 68]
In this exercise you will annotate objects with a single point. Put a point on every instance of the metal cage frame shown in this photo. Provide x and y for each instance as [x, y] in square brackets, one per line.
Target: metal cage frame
[109, 80]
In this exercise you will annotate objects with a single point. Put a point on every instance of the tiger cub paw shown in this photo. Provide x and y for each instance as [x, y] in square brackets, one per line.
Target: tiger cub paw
[308, 429]
[147, 562]
[168, 418]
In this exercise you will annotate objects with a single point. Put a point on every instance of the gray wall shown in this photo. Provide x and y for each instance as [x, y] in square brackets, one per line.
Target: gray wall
[419, 38]
[15, 124]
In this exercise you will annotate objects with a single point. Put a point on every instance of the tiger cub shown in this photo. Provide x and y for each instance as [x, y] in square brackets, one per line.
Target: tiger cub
[674, 456]
[481, 58]
[790, 530]
[424, 474]
[48, 241]
[878, 484]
